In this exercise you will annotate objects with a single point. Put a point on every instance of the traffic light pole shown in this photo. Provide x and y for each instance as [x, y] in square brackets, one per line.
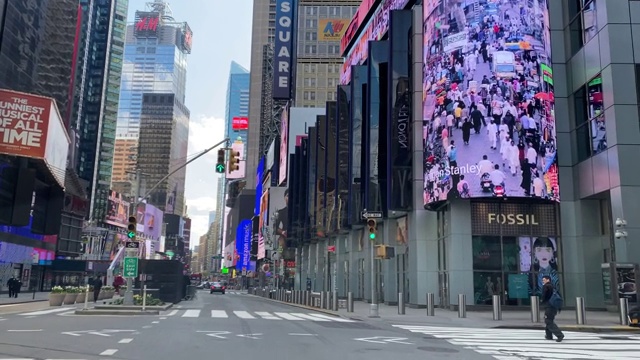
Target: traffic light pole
[128, 294]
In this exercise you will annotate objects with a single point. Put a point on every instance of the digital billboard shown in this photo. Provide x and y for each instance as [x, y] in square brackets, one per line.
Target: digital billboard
[488, 102]
[331, 29]
[284, 145]
[187, 39]
[279, 216]
[146, 24]
[240, 123]
[263, 228]
[243, 245]
[117, 210]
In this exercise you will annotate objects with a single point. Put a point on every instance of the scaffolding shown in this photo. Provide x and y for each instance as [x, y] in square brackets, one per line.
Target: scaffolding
[271, 109]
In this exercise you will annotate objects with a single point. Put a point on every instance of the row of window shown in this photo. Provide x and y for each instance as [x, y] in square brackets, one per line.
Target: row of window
[312, 82]
[330, 10]
[583, 25]
[330, 49]
[324, 68]
[311, 95]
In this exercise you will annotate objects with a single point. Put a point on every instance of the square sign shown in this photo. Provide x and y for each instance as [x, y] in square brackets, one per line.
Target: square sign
[130, 267]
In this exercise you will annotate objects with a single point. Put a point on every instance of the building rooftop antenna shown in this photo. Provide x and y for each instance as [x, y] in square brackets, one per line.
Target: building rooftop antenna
[163, 8]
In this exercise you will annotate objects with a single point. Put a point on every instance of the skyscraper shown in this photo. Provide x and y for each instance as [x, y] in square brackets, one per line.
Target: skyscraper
[97, 82]
[237, 105]
[153, 89]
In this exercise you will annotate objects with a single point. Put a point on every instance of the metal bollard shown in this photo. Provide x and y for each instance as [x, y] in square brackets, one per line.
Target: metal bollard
[349, 301]
[322, 300]
[535, 309]
[86, 297]
[307, 298]
[328, 302]
[401, 309]
[431, 304]
[298, 296]
[334, 301]
[624, 311]
[462, 305]
[497, 308]
[144, 298]
[581, 313]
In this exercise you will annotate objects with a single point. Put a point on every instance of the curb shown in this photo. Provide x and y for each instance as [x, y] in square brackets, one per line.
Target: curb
[23, 302]
[132, 307]
[324, 311]
[578, 328]
[117, 312]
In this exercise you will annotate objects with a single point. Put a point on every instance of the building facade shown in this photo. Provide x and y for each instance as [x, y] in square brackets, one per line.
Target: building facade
[237, 105]
[124, 159]
[97, 82]
[163, 142]
[320, 27]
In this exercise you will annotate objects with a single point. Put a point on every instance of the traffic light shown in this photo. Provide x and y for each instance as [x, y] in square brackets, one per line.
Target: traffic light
[131, 229]
[220, 165]
[234, 160]
[371, 223]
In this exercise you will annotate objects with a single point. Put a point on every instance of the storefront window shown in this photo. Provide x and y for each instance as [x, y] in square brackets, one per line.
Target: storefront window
[514, 246]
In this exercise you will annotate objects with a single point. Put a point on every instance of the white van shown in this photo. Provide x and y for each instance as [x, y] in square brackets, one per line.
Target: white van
[504, 64]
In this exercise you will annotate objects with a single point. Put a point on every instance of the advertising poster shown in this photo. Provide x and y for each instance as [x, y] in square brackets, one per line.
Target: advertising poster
[284, 145]
[243, 245]
[279, 216]
[152, 222]
[24, 121]
[263, 222]
[117, 210]
[331, 29]
[489, 123]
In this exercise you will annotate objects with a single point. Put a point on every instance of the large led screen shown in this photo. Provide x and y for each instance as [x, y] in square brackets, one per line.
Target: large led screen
[489, 126]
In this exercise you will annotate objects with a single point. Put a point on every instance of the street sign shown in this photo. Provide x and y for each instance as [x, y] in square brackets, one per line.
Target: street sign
[130, 267]
[132, 245]
[371, 214]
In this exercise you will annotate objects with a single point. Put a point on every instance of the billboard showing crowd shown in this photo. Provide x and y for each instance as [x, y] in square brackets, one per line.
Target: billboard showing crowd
[489, 128]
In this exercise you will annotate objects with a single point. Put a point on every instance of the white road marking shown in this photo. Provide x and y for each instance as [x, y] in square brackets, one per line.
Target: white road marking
[109, 352]
[173, 312]
[3, 319]
[216, 334]
[513, 344]
[163, 318]
[125, 341]
[332, 318]
[219, 314]
[29, 317]
[243, 315]
[155, 322]
[44, 312]
[288, 316]
[294, 334]
[309, 317]
[267, 316]
[147, 327]
[25, 330]
[191, 313]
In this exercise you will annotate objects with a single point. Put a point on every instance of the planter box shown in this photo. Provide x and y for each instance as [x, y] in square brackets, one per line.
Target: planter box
[70, 299]
[80, 298]
[56, 299]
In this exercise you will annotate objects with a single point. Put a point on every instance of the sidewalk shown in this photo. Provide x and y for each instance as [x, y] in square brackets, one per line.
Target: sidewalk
[595, 321]
[23, 297]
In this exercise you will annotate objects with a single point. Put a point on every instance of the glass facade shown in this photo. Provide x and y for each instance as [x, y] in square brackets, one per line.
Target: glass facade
[151, 65]
[237, 100]
[101, 50]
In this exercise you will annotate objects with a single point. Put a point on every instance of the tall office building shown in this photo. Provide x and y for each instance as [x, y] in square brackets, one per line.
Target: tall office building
[155, 62]
[97, 82]
[262, 37]
[237, 106]
[320, 26]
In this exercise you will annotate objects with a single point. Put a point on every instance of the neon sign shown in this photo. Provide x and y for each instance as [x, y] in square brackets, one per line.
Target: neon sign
[146, 24]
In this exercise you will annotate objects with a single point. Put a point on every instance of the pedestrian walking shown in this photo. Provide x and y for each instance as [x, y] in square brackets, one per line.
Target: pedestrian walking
[97, 286]
[552, 301]
[11, 285]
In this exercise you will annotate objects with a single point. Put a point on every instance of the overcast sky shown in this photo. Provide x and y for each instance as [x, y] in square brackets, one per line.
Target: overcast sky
[221, 33]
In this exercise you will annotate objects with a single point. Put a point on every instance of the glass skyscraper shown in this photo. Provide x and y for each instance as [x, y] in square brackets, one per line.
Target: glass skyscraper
[237, 100]
[101, 50]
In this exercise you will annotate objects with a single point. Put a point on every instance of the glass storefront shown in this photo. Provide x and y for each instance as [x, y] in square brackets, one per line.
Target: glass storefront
[514, 246]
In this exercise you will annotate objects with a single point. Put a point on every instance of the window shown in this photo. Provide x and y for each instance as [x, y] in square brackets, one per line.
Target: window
[591, 132]
[311, 10]
[311, 23]
[311, 36]
[310, 49]
[583, 25]
[334, 10]
[310, 82]
[309, 95]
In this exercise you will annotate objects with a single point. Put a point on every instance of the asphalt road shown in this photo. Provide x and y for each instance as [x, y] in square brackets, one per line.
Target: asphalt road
[231, 325]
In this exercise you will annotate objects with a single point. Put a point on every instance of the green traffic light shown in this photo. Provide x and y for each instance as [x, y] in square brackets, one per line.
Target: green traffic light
[372, 236]
[220, 168]
[131, 234]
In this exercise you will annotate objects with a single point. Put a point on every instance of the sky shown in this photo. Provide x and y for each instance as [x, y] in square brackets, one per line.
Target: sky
[221, 34]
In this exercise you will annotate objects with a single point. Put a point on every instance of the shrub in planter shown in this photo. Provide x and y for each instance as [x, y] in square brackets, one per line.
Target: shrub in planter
[71, 295]
[57, 295]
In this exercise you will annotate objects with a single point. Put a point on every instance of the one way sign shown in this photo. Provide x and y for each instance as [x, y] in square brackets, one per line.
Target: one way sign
[371, 214]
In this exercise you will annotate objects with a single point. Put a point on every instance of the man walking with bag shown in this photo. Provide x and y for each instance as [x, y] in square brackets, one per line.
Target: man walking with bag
[552, 301]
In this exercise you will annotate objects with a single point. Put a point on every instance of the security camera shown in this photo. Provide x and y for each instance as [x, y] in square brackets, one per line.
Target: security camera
[620, 222]
[619, 234]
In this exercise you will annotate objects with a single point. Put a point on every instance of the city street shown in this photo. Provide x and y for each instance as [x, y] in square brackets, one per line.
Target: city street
[212, 326]
[249, 326]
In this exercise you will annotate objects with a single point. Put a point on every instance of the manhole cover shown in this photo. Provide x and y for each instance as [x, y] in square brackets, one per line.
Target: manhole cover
[438, 349]
[343, 325]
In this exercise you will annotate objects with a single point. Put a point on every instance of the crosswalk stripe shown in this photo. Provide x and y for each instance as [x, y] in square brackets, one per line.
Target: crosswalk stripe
[173, 312]
[309, 317]
[332, 318]
[287, 316]
[512, 344]
[243, 315]
[267, 316]
[219, 314]
[44, 312]
[191, 313]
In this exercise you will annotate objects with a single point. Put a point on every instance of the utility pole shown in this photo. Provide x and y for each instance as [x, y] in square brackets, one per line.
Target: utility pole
[128, 294]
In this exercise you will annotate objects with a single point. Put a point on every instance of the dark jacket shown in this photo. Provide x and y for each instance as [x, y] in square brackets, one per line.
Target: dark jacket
[547, 291]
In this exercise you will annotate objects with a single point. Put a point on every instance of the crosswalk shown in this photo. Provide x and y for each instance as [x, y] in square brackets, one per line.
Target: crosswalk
[256, 315]
[512, 344]
[47, 312]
